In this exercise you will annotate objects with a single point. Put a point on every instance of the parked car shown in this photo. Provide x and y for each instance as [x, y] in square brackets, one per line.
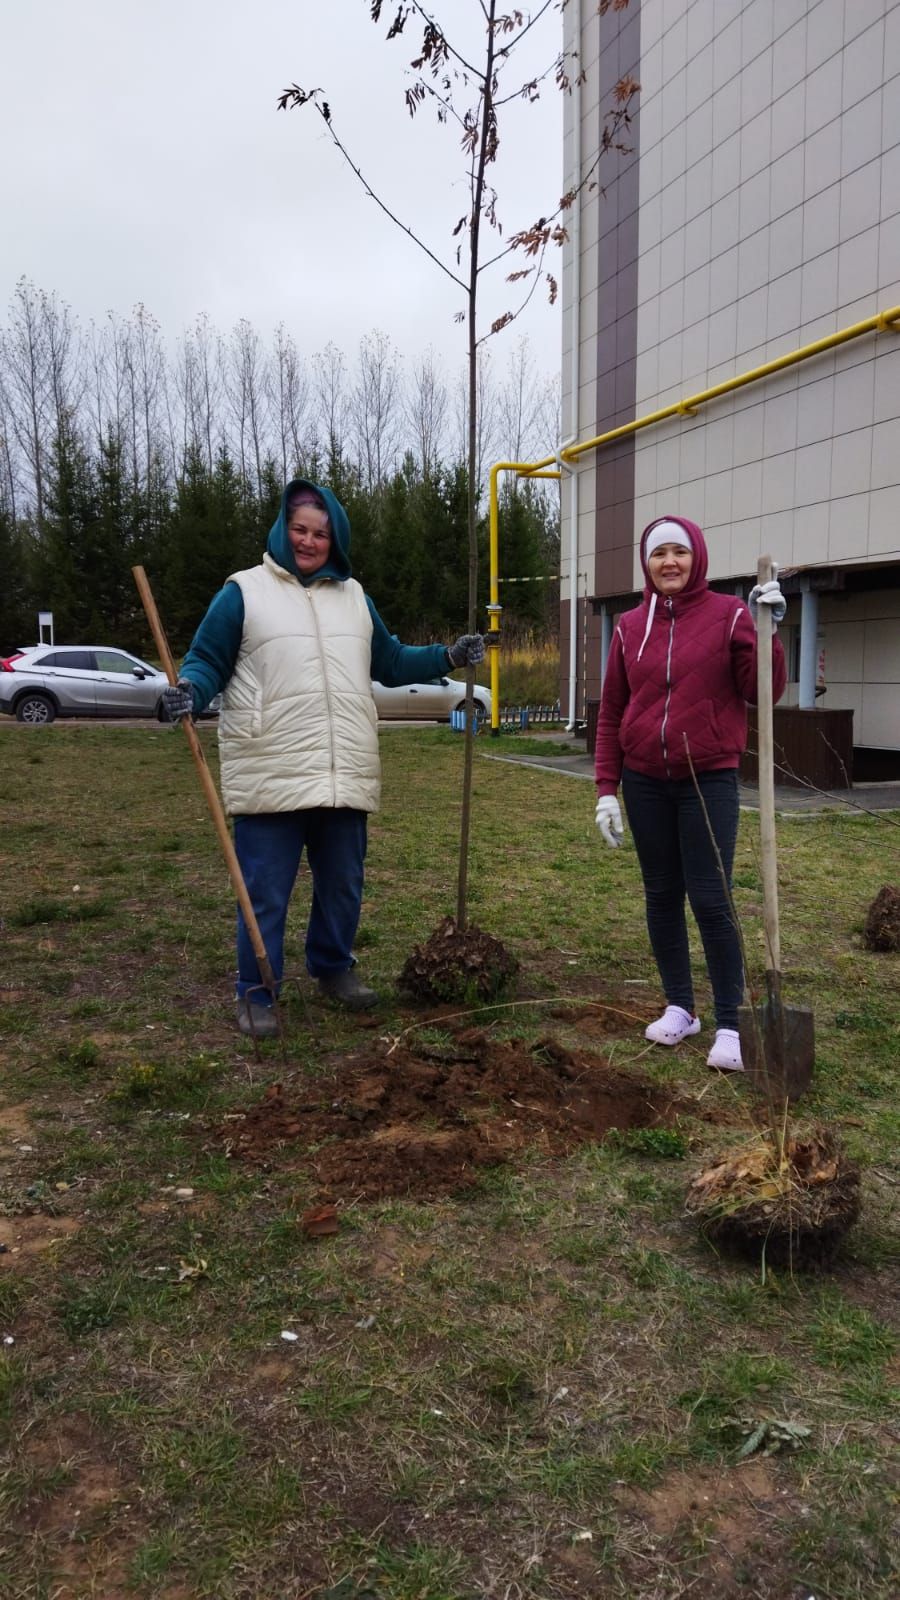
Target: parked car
[430, 702]
[6, 661]
[52, 681]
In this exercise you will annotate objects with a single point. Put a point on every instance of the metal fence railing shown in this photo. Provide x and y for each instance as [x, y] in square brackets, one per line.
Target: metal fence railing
[513, 719]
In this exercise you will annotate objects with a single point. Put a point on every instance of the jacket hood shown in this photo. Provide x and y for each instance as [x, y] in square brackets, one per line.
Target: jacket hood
[697, 577]
[278, 544]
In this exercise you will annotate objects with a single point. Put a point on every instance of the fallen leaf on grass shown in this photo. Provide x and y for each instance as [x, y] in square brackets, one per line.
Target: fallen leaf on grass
[766, 1435]
[191, 1269]
[319, 1221]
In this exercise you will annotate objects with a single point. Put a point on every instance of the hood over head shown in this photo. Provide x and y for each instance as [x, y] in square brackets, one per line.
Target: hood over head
[696, 582]
[694, 540]
[278, 544]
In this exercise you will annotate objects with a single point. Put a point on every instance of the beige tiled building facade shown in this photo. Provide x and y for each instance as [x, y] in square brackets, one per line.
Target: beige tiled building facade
[757, 211]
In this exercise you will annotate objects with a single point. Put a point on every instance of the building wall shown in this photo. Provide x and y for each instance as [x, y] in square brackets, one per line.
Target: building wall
[759, 210]
[861, 633]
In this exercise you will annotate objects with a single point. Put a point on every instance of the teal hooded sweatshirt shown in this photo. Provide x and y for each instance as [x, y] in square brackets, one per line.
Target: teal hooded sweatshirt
[214, 649]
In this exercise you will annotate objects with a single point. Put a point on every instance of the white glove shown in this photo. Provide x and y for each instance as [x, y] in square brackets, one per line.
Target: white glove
[609, 820]
[767, 594]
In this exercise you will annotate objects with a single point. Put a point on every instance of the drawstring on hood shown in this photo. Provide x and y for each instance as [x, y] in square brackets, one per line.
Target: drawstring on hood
[650, 615]
[694, 541]
[279, 545]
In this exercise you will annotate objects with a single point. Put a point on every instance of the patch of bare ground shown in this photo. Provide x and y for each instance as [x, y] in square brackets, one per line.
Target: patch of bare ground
[391, 1254]
[15, 1124]
[419, 1120]
[719, 1520]
[602, 1011]
[80, 1513]
[24, 1236]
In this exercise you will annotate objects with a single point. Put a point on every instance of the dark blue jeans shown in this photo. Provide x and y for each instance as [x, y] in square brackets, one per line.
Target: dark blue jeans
[269, 847]
[676, 855]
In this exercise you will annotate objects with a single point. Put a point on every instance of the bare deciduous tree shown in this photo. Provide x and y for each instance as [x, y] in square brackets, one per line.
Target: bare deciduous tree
[199, 387]
[426, 408]
[376, 412]
[39, 384]
[329, 379]
[245, 386]
[485, 413]
[288, 393]
[518, 405]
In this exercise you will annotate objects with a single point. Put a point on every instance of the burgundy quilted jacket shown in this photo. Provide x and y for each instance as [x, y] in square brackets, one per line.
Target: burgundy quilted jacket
[680, 671]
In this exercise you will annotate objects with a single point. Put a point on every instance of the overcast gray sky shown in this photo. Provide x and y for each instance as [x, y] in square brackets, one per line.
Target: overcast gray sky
[144, 160]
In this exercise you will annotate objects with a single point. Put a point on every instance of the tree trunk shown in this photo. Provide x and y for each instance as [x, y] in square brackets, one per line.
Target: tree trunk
[478, 192]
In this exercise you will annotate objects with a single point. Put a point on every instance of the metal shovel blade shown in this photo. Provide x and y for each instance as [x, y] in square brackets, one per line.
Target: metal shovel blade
[786, 1038]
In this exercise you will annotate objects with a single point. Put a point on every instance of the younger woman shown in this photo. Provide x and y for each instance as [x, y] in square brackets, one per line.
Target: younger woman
[672, 727]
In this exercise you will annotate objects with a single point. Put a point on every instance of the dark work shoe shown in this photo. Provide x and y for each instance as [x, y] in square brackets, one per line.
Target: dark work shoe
[346, 988]
[258, 1022]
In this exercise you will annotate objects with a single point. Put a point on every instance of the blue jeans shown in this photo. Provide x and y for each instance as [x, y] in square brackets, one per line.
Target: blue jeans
[676, 855]
[269, 847]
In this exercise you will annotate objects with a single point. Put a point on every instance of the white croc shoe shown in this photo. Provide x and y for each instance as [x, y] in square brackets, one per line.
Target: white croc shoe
[725, 1055]
[674, 1025]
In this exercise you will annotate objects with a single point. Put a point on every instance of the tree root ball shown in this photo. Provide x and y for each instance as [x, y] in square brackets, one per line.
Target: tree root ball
[882, 929]
[457, 964]
[792, 1216]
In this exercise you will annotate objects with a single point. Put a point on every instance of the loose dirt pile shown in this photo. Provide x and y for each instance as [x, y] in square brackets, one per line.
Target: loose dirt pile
[882, 929]
[423, 1121]
[464, 964]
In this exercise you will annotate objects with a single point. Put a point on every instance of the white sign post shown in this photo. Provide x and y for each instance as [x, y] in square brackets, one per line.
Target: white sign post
[45, 620]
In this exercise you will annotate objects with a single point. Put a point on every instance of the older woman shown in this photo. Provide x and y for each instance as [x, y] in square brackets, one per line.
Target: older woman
[293, 645]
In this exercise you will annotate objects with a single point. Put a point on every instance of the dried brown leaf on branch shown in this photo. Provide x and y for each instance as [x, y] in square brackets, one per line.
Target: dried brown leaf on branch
[625, 88]
[509, 23]
[435, 52]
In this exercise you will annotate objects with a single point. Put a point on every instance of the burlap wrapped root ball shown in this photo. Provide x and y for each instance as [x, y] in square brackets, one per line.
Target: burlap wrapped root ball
[457, 964]
[882, 929]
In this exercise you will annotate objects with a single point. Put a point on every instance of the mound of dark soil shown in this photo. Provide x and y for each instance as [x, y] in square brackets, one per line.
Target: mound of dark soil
[464, 964]
[421, 1122]
[882, 929]
[795, 1216]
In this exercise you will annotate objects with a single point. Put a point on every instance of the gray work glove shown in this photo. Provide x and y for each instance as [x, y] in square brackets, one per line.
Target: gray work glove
[767, 594]
[178, 700]
[467, 651]
[609, 820]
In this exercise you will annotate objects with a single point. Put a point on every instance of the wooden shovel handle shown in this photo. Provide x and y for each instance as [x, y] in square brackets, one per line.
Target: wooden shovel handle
[209, 787]
[766, 745]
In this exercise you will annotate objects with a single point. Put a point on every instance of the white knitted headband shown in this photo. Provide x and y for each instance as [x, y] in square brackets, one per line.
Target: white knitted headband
[667, 533]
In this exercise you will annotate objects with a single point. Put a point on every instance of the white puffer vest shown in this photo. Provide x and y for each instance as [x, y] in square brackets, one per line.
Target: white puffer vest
[298, 726]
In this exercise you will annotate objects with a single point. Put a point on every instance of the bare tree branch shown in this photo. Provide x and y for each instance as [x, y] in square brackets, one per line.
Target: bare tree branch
[295, 96]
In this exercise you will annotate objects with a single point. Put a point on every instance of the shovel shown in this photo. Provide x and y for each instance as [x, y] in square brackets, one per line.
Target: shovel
[777, 1043]
[269, 981]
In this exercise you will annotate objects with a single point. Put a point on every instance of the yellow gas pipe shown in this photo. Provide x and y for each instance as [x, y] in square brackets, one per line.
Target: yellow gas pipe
[879, 323]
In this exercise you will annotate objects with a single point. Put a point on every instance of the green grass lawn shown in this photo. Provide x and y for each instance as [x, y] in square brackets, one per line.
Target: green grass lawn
[536, 1386]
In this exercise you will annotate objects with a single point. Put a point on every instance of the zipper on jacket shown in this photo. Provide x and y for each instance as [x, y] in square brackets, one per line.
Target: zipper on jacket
[315, 617]
[665, 718]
